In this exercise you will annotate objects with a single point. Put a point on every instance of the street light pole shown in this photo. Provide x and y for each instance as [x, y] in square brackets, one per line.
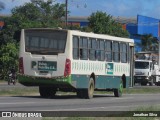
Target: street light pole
[159, 51]
[66, 16]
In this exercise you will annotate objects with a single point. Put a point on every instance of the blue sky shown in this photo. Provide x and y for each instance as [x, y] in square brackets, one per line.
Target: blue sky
[123, 8]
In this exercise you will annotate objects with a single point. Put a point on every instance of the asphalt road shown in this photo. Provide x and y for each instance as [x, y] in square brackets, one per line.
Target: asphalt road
[72, 103]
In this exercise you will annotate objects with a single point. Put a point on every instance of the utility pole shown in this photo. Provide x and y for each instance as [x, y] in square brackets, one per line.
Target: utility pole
[159, 52]
[66, 13]
[66, 16]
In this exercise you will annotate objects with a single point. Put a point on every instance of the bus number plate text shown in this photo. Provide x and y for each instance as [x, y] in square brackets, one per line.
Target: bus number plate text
[47, 66]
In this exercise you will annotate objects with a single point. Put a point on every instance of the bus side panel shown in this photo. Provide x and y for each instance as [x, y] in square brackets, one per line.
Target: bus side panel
[110, 82]
[80, 81]
[101, 82]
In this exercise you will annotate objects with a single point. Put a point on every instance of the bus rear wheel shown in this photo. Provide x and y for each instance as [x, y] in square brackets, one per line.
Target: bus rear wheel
[47, 92]
[90, 91]
[118, 91]
[79, 93]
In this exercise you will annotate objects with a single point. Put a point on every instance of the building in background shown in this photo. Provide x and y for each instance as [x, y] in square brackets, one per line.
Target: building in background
[135, 26]
[78, 21]
[1, 24]
[145, 25]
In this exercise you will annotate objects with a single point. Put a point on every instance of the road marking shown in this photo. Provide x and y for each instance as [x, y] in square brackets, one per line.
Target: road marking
[125, 98]
[74, 109]
[94, 108]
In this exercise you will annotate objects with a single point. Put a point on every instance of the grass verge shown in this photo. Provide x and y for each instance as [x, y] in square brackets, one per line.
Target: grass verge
[19, 91]
[142, 90]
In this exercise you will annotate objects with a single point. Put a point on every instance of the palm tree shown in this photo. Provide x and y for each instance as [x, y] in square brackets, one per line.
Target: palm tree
[155, 45]
[148, 42]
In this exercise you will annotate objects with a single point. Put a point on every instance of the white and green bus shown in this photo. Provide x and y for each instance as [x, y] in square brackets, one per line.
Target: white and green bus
[69, 60]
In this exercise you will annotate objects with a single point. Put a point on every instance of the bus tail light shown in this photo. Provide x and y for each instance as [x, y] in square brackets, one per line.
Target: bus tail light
[67, 70]
[21, 68]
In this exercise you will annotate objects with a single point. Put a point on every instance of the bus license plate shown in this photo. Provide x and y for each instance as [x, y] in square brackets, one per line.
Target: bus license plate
[47, 66]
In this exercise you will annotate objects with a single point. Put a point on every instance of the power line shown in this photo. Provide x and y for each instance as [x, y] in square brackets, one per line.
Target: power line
[66, 11]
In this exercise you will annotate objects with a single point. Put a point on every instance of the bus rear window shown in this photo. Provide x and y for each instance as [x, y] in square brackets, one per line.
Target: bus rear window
[45, 42]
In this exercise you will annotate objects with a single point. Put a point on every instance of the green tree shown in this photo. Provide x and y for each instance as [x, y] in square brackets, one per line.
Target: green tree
[8, 32]
[38, 14]
[8, 58]
[34, 14]
[102, 23]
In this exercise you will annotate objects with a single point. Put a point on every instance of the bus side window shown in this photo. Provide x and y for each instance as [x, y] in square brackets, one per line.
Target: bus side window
[102, 54]
[108, 51]
[83, 48]
[75, 47]
[92, 45]
[100, 50]
[116, 52]
[123, 54]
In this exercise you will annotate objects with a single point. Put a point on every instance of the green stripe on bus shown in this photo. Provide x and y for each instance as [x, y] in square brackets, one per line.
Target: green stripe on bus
[40, 80]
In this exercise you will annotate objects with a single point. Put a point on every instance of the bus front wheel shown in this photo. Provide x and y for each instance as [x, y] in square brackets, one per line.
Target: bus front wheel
[118, 91]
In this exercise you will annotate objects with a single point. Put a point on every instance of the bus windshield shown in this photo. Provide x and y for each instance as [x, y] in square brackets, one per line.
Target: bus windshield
[141, 65]
[45, 42]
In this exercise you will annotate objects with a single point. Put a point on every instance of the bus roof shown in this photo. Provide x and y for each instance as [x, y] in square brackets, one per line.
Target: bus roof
[101, 36]
[89, 34]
